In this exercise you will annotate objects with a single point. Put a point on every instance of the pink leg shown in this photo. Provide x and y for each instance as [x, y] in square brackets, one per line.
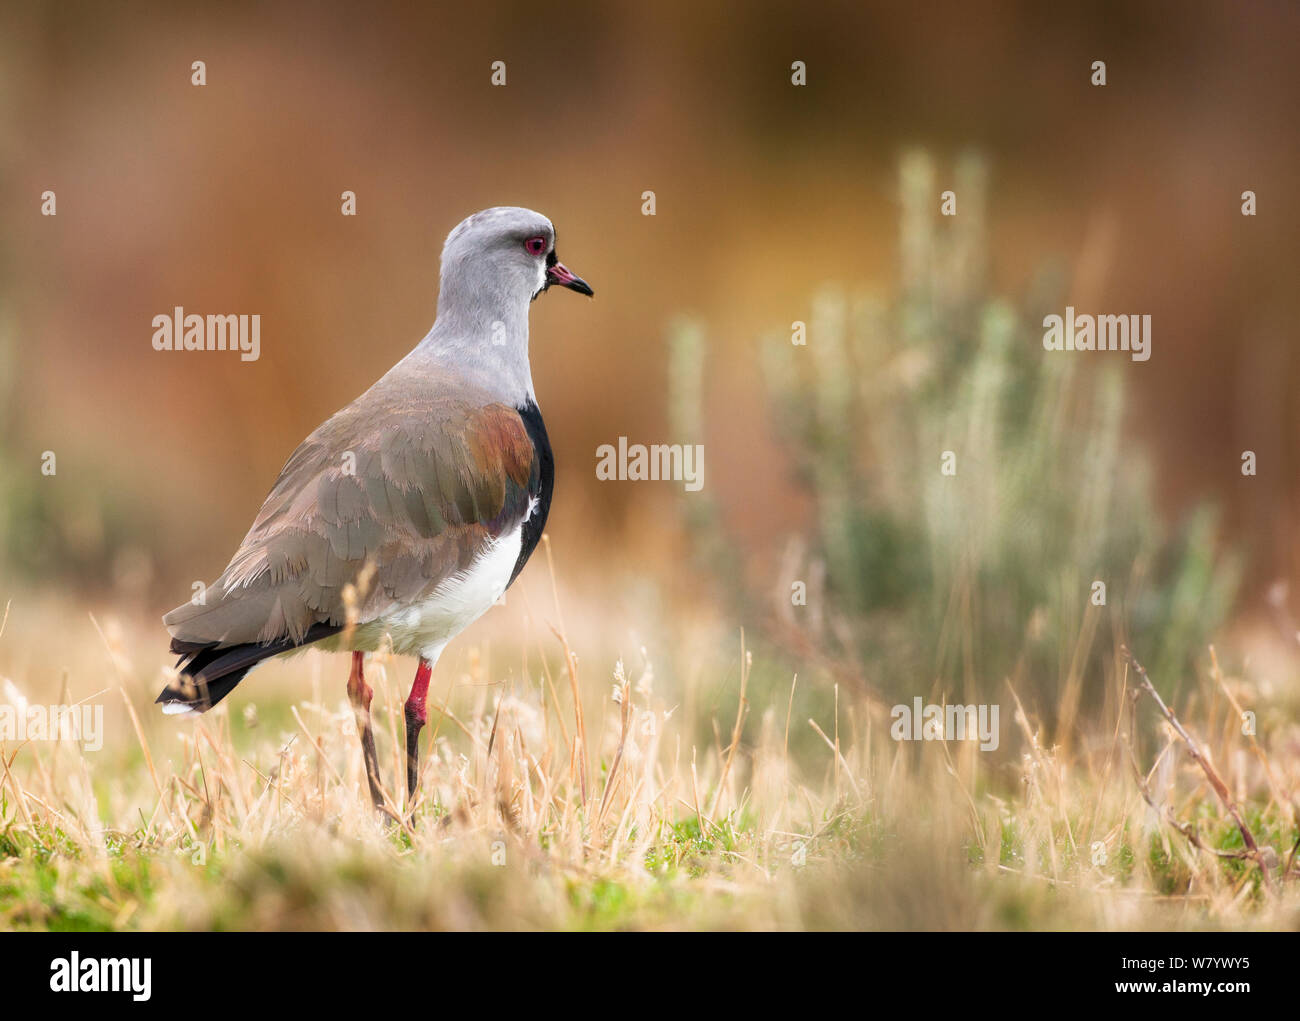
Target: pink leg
[417, 714]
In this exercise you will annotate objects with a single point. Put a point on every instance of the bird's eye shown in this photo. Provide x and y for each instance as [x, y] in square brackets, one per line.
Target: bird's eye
[535, 246]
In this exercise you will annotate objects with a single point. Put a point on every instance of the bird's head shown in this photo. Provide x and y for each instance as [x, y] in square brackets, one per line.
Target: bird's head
[505, 248]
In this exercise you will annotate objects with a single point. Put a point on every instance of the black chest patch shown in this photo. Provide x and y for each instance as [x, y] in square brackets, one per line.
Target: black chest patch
[540, 489]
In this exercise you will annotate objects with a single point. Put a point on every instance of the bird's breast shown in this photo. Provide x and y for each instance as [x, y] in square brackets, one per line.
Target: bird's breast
[429, 623]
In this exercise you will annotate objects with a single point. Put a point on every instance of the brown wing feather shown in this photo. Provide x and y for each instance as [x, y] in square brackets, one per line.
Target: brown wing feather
[413, 483]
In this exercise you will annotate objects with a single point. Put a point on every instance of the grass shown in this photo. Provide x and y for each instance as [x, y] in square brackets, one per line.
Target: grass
[256, 816]
[968, 491]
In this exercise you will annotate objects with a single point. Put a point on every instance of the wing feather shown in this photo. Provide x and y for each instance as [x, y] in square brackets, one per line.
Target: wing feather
[415, 483]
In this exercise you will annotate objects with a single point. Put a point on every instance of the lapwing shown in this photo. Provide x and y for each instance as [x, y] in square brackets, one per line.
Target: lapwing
[406, 515]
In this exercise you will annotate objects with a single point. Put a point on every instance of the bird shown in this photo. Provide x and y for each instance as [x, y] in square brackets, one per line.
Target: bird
[408, 513]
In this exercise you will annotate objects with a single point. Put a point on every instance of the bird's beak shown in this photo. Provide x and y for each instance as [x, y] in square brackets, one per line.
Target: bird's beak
[559, 273]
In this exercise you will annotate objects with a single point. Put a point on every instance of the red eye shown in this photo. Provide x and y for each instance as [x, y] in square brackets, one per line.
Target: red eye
[535, 246]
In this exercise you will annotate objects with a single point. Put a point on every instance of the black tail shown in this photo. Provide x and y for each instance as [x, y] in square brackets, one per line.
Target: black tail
[208, 673]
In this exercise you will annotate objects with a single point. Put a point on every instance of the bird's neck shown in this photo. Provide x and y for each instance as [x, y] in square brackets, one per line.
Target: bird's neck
[483, 337]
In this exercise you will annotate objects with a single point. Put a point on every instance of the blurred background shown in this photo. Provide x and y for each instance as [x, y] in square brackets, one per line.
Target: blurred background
[774, 203]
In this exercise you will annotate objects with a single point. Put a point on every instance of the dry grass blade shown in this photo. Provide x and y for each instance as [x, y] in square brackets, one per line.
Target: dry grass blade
[625, 701]
[1220, 788]
[742, 705]
[1274, 788]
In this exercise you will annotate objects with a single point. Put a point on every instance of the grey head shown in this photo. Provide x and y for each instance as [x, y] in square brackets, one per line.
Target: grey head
[494, 264]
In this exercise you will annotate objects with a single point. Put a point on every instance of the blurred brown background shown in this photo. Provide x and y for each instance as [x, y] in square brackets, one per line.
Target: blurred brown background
[225, 199]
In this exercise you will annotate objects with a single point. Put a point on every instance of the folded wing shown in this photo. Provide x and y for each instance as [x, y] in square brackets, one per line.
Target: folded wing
[393, 495]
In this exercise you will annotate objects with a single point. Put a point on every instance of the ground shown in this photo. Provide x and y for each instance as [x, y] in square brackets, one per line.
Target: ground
[730, 801]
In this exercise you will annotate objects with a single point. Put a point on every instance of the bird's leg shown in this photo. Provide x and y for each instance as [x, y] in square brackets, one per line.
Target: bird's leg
[359, 694]
[417, 715]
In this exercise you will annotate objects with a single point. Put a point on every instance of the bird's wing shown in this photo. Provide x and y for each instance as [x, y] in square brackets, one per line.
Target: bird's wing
[414, 484]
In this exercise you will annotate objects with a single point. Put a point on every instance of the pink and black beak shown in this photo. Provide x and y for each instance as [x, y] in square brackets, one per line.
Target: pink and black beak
[558, 273]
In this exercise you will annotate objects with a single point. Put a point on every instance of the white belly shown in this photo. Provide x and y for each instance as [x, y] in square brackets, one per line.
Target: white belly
[425, 627]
